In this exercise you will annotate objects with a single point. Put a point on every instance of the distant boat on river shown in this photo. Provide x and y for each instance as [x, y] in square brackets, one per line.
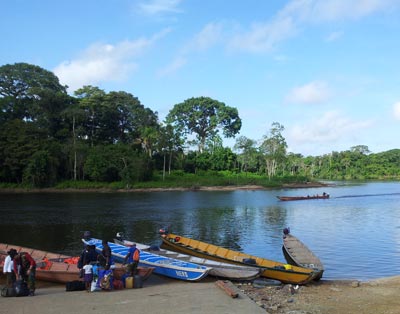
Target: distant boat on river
[300, 198]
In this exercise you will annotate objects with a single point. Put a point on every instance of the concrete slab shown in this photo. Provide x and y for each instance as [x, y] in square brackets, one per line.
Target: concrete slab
[159, 295]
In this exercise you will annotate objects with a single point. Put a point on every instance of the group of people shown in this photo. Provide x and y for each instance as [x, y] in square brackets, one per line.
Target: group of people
[20, 266]
[89, 257]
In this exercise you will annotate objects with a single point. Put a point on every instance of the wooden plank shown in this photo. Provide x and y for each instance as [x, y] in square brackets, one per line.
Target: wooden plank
[228, 287]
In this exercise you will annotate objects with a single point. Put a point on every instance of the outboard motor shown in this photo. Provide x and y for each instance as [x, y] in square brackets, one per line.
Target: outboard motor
[163, 231]
[119, 236]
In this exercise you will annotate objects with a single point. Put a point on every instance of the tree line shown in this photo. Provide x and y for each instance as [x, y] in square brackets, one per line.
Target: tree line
[48, 136]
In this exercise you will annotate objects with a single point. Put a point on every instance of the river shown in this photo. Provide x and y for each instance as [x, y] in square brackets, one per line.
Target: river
[356, 233]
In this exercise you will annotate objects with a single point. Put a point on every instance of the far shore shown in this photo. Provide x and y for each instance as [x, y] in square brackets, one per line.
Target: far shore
[166, 189]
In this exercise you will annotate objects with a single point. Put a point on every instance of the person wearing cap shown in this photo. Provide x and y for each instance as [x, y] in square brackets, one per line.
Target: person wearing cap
[8, 267]
[132, 258]
[25, 269]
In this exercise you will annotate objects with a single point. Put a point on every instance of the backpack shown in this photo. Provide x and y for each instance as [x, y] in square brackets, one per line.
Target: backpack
[8, 292]
[106, 282]
[21, 288]
[75, 285]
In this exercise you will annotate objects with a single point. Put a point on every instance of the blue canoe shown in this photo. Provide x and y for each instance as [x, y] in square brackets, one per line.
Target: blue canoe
[165, 266]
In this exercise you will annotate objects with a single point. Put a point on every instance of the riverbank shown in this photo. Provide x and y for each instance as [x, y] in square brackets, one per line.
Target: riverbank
[167, 189]
[164, 295]
[328, 297]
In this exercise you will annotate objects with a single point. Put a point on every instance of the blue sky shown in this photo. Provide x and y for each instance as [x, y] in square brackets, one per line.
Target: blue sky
[327, 70]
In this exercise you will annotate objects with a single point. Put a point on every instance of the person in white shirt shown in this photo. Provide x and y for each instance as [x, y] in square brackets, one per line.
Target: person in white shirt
[8, 268]
[88, 276]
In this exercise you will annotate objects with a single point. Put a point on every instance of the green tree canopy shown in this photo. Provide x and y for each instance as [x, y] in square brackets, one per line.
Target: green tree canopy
[274, 148]
[26, 90]
[204, 117]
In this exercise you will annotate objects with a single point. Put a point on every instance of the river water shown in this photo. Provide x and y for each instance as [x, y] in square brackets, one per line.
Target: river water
[356, 233]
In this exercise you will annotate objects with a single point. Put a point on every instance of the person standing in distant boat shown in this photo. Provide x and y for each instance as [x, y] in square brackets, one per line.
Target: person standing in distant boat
[132, 258]
[8, 267]
[105, 258]
[25, 269]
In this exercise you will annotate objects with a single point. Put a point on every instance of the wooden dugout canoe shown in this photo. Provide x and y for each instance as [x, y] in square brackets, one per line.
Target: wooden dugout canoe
[301, 198]
[54, 271]
[298, 254]
[60, 268]
[271, 269]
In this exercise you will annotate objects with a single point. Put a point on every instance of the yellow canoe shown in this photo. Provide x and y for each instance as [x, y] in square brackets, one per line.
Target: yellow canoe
[273, 270]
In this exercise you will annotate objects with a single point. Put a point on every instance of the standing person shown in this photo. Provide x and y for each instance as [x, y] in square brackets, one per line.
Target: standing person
[25, 269]
[105, 258]
[88, 276]
[132, 258]
[8, 268]
[88, 254]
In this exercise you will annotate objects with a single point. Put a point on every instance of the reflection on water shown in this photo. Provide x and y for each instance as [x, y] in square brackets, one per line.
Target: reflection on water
[356, 232]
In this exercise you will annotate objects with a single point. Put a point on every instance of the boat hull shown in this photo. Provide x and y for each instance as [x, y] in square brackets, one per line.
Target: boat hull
[162, 265]
[298, 254]
[218, 269]
[56, 269]
[58, 272]
[271, 269]
[302, 198]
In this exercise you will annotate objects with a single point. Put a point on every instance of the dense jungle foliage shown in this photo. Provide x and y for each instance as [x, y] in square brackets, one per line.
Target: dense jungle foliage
[50, 138]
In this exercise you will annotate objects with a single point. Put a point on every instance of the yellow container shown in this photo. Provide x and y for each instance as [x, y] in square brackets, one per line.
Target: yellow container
[288, 267]
[129, 282]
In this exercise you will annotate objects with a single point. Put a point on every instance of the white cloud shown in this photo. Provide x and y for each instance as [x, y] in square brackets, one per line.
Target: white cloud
[311, 93]
[330, 127]
[174, 66]
[155, 7]
[103, 62]
[206, 38]
[333, 10]
[263, 37]
[333, 36]
[396, 110]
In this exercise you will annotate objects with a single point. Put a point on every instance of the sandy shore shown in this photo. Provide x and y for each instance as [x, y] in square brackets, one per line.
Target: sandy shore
[162, 295]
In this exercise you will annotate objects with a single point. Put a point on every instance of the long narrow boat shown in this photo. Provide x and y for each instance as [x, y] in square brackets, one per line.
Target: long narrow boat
[274, 270]
[298, 254]
[60, 268]
[54, 270]
[218, 269]
[165, 266]
[301, 198]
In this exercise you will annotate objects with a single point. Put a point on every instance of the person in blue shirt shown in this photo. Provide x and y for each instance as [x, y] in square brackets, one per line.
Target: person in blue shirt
[132, 258]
